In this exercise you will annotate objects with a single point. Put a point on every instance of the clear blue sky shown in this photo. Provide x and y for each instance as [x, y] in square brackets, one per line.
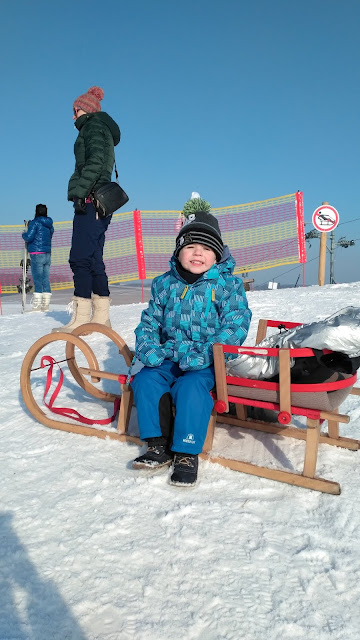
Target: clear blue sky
[240, 100]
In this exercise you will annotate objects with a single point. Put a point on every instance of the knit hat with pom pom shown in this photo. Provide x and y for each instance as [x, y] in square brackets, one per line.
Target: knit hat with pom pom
[90, 101]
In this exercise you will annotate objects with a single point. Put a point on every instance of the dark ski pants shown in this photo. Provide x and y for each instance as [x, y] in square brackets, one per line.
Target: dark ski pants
[86, 254]
[190, 393]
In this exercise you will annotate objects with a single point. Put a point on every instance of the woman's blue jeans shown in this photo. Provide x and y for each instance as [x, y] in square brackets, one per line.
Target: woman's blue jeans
[40, 269]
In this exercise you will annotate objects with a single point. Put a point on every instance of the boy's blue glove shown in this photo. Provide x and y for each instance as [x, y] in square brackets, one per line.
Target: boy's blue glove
[194, 360]
[153, 360]
[151, 356]
[168, 349]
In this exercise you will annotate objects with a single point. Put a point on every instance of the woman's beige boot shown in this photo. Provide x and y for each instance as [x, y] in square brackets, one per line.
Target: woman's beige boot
[36, 302]
[45, 301]
[81, 314]
[101, 307]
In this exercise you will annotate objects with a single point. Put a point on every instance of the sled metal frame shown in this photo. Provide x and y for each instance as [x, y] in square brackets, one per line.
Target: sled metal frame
[88, 376]
[312, 435]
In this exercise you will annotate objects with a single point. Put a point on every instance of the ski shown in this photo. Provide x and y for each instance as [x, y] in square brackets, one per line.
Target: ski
[24, 270]
[24, 287]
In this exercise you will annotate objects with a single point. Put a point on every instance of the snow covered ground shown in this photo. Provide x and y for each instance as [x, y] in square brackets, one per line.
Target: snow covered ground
[92, 550]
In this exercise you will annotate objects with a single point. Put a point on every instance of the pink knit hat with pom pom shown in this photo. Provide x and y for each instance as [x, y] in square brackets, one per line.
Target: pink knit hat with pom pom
[90, 101]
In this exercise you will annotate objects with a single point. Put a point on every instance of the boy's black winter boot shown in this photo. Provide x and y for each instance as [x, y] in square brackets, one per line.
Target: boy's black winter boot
[157, 455]
[184, 470]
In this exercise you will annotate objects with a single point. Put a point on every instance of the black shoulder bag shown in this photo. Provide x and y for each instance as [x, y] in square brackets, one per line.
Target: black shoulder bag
[109, 198]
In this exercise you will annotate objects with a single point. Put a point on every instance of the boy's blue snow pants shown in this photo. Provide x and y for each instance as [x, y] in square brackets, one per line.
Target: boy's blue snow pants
[190, 392]
[86, 254]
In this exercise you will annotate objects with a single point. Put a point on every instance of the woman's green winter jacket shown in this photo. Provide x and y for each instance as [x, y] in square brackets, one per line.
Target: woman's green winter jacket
[94, 153]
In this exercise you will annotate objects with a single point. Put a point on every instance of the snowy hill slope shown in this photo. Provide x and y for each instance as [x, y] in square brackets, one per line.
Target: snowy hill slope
[92, 550]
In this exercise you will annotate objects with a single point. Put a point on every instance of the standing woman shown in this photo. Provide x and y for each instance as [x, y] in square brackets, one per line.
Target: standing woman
[38, 238]
[94, 161]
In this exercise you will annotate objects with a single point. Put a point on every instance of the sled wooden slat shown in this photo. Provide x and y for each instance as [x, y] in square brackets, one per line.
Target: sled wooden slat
[284, 380]
[220, 376]
[313, 413]
[333, 426]
[326, 415]
[95, 373]
[317, 484]
[312, 446]
[210, 433]
[291, 432]
[261, 331]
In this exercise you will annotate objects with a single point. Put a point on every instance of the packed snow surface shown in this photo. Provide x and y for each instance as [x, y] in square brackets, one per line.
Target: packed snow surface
[93, 550]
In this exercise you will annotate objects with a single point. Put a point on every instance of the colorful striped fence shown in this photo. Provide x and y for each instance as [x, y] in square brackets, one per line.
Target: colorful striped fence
[264, 234]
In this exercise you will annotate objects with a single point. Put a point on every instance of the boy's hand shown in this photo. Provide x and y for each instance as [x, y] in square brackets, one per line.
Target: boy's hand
[153, 357]
[168, 349]
[153, 360]
[193, 360]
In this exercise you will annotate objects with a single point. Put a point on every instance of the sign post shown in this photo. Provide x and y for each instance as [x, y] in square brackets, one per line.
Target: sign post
[324, 219]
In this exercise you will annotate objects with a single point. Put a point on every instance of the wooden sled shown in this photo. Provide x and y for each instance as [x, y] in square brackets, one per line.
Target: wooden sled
[241, 392]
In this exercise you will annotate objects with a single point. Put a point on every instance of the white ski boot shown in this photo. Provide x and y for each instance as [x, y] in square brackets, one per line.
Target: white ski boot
[36, 302]
[45, 301]
[101, 307]
[81, 314]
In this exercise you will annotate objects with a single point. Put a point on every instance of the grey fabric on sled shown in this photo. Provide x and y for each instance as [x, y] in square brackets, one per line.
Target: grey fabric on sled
[323, 400]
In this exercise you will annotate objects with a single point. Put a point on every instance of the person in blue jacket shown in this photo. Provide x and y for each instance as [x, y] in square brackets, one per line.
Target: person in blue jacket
[195, 304]
[38, 237]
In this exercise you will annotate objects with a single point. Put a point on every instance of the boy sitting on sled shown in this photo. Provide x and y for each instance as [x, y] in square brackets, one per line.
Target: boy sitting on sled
[194, 305]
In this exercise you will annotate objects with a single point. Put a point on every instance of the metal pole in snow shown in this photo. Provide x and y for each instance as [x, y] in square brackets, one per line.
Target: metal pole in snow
[332, 257]
[322, 257]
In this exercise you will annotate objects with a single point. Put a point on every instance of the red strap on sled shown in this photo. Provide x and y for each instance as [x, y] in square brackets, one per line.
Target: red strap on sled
[67, 411]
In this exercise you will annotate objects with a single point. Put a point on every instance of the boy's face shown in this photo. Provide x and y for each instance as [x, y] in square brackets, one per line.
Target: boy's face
[197, 258]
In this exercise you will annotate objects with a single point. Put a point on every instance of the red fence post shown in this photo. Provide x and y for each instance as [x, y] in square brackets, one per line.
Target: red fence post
[139, 250]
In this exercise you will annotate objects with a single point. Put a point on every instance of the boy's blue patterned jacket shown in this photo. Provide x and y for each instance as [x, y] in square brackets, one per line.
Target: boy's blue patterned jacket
[183, 321]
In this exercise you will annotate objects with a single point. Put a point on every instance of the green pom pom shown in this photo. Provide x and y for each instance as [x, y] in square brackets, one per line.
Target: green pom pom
[194, 205]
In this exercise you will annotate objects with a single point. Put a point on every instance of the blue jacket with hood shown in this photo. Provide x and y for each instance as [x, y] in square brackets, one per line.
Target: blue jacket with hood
[39, 234]
[183, 321]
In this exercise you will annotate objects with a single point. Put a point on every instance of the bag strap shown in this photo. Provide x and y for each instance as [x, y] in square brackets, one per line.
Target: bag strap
[116, 173]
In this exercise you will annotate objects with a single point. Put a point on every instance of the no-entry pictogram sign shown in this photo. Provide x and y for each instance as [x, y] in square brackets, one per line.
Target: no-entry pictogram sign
[325, 218]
